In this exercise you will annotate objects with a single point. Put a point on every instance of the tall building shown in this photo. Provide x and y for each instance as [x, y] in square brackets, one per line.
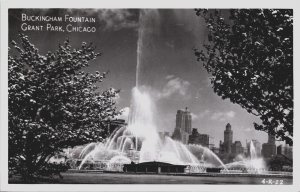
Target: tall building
[279, 150]
[269, 149]
[228, 149]
[227, 138]
[184, 120]
[285, 150]
[196, 138]
[288, 151]
[183, 126]
[204, 140]
[237, 148]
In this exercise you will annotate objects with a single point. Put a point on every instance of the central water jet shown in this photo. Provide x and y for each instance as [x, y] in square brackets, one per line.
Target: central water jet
[140, 141]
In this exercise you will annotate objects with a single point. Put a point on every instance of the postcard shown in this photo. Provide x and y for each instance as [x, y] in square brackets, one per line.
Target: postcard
[170, 98]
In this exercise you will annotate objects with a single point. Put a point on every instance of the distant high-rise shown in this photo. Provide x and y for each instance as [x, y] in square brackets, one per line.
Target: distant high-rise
[269, 149]
[237, 148]
[285, 150]
[183, 125]
[196, 138]
[279, 150]
[184, 120]
[288, 151]
[228, 138]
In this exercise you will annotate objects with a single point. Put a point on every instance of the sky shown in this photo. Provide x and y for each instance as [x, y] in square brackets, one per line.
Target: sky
[167, 64]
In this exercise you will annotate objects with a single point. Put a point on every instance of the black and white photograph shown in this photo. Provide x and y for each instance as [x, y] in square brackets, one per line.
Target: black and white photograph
[197, 96]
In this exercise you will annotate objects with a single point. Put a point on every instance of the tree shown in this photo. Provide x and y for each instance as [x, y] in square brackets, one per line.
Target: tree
[250, 58]
[53, 105]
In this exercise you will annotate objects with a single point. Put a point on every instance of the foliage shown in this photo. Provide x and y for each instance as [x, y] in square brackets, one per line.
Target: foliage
[53, 104]
[250, 58]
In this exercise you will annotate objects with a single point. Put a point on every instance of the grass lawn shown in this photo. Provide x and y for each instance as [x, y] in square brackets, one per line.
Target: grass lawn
[122, 178]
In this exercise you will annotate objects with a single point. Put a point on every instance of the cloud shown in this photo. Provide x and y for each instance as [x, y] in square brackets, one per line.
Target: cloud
[168, 77]
[194, 116]
[204, 114]
[248, 129]
[175, 85]
[116, 19]
[109, 19]
[222, 116]
[198, 94]
[230, 114]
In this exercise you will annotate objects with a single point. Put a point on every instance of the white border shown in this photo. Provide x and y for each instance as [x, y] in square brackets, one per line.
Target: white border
[138, 4]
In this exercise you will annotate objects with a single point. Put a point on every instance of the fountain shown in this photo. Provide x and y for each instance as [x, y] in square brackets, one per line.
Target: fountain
[251, 164]
[139, 141]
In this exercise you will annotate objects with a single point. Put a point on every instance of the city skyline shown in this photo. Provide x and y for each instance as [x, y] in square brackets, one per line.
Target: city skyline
[180, 124]
[212, 138]
[175, 78]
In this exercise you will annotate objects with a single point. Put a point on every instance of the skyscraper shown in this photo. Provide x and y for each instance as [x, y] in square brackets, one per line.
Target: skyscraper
[197, 138]
[237, 148]
[184, 120]
[227, 138]
[183, 126]
[269, 149]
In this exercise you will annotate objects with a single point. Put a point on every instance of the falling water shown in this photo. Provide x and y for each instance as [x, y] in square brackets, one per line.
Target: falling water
[139, 141]
[205, 154]
[253, 153]
[252, 163]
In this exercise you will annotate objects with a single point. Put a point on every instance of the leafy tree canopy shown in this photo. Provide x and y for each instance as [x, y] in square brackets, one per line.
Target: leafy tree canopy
[53, 104]
[250, 58]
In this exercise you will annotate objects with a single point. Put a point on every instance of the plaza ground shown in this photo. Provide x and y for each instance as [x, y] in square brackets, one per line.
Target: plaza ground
[124, 178]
